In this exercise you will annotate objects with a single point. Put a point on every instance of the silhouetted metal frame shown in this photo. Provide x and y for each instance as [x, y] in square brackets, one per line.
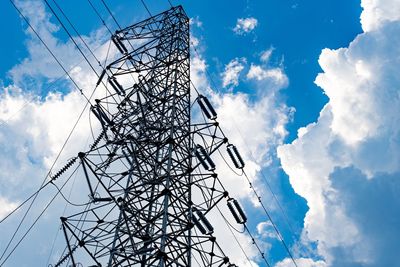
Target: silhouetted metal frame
[142, 175]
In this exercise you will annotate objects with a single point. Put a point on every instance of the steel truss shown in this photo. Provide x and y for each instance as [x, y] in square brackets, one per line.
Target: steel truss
[149, 173]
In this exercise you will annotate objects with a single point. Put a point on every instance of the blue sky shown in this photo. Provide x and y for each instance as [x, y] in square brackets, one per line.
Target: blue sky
[307, 89]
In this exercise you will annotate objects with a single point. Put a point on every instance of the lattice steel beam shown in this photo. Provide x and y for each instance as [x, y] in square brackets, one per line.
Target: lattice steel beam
[149, 183]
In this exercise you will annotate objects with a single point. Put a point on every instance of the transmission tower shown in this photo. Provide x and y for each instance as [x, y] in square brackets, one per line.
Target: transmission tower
[149, 173]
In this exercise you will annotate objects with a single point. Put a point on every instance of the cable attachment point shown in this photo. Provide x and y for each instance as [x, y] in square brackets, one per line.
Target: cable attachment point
[66, 256]
[98, 139]
[119, 44]
[236, 211]
[201, 222]
[116, 85]
[204, 158]
[206, 107]
[235, 156]
[101, 77]
[64, 169]
[101, 115]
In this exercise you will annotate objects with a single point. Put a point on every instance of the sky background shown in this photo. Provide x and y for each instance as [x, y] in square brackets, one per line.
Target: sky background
[307, 90]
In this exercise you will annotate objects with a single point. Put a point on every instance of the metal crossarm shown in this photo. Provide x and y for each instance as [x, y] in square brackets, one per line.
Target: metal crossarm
[150, 194]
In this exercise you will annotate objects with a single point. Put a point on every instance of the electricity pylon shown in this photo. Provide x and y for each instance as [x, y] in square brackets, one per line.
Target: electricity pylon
[149, 173]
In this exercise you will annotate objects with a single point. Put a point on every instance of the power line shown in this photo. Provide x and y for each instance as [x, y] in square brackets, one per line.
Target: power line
[145, 6]
[257, 246]
[48, 87]
[98, 14]
[262, 204]
[73, 40]
[112, 15]
[266, 181]
[78, 120]
[274, 196]
[170, 3]
[243, 139]
[84, 42]
[270, 219]
[48, 49]
[265, 210]
[24, 202]
[33, 224]
[118, 25]
[70, 36]
[230, 227]
[280, 237]
[225, 220]
[35, 195]
[76, 32]
[58, 229]
[259, 199]
[170, 109]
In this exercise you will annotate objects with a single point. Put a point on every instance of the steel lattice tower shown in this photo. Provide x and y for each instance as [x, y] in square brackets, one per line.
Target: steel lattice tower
[149, 173]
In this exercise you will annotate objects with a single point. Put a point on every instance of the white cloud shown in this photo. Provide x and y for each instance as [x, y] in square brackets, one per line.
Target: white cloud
[34, 127]
[378, 12]
[33, 136]
[301, 262]
[348, 162]
[230, 76]
[6, 207]
[40, 64]
[275, 75]
[245, 25]
[197, 75]
[29, 143]
[194, 41]
[266, 55]
[196, 22]
[266, 230]
[265, 118]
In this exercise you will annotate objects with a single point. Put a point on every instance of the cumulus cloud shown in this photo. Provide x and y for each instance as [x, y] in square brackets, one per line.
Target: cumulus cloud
[272, 76]
[42, 66]
[346, 164]
[374, 203]
[275, 75]
[376, 13]
[230, 76]
[267, 120]
[266, 116]
[35, 124]
[6, 207]
[301, 262]
[266, 55]
[245, 25]
[266, 230]
[32, 138]
[36, 127]
[196, 22]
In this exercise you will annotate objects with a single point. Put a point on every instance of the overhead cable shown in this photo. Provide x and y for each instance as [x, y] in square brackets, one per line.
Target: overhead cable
[48, 49]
